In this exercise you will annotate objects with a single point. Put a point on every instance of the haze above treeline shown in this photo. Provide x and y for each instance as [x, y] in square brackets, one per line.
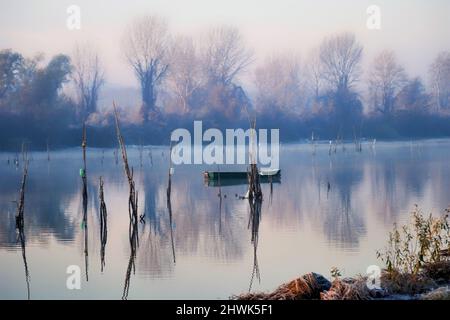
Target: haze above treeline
[333, 92]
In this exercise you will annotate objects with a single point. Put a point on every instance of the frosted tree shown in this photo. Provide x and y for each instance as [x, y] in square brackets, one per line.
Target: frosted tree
[386, 79]
[146, 45]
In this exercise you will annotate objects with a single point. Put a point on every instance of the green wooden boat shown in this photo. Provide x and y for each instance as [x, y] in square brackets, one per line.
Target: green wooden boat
[239, 182]
[239, 175]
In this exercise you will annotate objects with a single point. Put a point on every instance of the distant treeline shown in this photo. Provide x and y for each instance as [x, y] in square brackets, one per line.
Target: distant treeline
[16, 130]
[181, 80]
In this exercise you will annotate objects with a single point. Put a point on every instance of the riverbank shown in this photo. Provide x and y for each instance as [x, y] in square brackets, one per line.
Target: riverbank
[313, 286]
[417, 260]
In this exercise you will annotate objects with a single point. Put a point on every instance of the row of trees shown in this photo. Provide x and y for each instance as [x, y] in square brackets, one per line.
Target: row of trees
[204, 79]
[334, 69]
[189, 79]
[31, 89]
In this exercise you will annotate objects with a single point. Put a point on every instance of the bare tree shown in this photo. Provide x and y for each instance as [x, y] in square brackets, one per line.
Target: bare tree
[340, 57]
[440, 80]
[386, 79]
[146, 44]
[88, 77]
[184, 75]
[313, 72]
[278, 83]
[225, 55]
[11, 67]
[413, 97]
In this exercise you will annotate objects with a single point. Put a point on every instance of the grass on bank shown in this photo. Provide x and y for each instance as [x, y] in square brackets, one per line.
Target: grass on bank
[417, 266]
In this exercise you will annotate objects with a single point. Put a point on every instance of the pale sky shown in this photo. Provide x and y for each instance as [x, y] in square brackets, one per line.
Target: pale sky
[415, 30]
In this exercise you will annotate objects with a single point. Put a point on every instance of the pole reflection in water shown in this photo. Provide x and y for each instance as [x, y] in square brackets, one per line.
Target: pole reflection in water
[169, 208]
[253, 224]
[220, 201]
[21, 235]
[85, 230]
[85, 203]
[271, 190]
[103, 225]
[169, 202]
[20, 221]
[132, 208]
[133, 235]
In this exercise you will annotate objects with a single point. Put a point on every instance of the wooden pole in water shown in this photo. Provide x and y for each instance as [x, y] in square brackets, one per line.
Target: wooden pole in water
[20, 203]
[133, 197]
[132, 207]
[169, 185]
[254, 184]
[169, 202]
[141, 150]
[20, 220]
[48, 151]
[83, 146]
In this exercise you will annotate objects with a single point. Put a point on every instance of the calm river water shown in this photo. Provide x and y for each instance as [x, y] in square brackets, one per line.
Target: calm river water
[326, 210]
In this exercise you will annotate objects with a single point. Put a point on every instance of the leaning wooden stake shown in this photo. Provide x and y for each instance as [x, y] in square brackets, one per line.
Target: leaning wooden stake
[133, 196]
[132, 207]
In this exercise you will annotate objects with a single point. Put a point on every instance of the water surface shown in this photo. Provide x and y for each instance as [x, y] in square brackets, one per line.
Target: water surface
[327, 210]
